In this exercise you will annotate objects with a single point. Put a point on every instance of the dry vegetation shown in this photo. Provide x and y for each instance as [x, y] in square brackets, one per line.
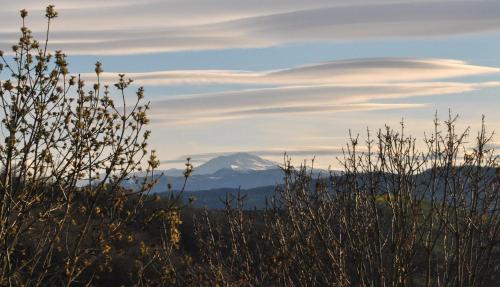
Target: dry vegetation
[396, 216]
[58, 137]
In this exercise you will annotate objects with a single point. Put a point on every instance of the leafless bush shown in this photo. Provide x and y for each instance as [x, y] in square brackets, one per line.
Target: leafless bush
[395, 216]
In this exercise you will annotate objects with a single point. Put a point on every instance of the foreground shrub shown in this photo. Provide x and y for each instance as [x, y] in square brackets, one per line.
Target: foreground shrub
[64, 151]
[395, 216]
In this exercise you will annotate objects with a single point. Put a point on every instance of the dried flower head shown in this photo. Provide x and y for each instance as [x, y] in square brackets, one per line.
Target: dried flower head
[23, 13]
[50, 12]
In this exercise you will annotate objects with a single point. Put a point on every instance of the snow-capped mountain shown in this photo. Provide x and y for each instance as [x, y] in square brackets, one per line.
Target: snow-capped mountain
[234, 171]
[241, 162]
[241, 170]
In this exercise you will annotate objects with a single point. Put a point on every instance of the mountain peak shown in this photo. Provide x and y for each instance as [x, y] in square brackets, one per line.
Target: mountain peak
[238, 161]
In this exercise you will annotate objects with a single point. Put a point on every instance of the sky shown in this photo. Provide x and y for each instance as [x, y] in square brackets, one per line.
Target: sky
[275, 76]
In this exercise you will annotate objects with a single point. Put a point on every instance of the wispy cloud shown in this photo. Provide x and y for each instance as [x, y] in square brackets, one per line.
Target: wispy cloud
[338, 86]
[154, 26]
[276, 152]
[298, 99]
[376, 70]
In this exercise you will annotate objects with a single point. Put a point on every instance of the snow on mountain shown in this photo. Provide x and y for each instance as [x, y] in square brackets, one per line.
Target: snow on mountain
[237, 162]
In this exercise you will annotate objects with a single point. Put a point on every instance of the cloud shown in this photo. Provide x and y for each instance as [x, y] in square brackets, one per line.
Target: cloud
[183, 160]
[338, 86]
[123, 27]
[298, 99]
[376, 70]
[272, 152]
[217, 116]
